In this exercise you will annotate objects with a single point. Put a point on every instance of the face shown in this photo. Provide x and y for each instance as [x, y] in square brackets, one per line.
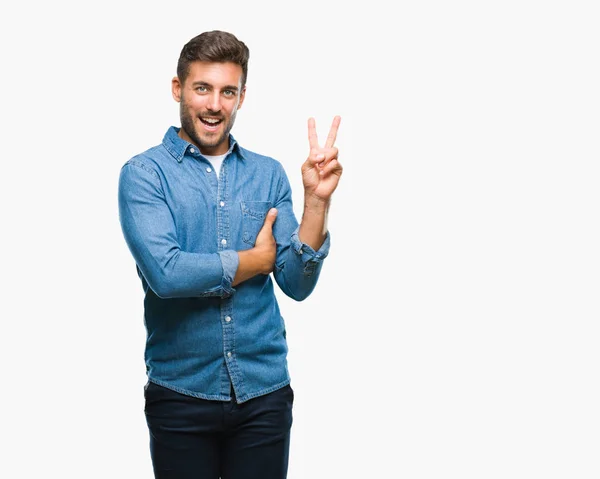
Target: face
[208, 102]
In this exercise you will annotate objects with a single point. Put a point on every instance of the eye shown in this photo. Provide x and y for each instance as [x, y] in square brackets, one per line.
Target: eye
[201, 89]
[229, 93]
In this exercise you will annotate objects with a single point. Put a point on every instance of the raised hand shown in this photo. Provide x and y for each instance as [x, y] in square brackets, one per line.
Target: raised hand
[321, 171]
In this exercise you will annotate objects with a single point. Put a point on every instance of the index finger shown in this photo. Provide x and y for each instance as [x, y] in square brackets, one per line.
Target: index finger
[333, 132]
[312, 134]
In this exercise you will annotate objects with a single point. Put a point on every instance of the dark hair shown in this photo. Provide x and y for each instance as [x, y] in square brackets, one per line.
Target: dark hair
[215, 46]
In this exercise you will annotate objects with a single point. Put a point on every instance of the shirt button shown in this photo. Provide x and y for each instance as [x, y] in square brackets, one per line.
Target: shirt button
[192, 150]
[227, 318]
[223, 241]
[229, 354]
[208, 169]
[222, 203]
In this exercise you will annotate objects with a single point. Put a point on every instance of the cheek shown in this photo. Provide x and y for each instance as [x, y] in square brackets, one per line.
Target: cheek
[232, 108]
[194, 105]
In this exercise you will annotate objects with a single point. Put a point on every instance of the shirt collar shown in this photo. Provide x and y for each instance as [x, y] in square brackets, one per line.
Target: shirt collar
[178, 146]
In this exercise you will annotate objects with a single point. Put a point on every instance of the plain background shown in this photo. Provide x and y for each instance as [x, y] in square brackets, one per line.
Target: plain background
[455, 328]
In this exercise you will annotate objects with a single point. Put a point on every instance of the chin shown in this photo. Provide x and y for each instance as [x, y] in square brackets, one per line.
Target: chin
[210, 142]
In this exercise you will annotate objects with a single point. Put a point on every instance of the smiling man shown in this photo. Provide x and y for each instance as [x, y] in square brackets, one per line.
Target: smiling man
[210, 224]
[209, 101]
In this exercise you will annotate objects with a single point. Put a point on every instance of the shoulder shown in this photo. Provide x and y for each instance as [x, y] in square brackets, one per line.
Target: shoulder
[148, 160]
[145, 164]
[265, 162]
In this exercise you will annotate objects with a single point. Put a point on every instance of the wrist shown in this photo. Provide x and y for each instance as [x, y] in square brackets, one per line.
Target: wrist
[261, 258]
[315, 203]
[249, 265]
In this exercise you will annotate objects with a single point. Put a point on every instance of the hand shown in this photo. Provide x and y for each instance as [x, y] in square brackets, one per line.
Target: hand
[265, 244]
[321, 171]
[261, 258]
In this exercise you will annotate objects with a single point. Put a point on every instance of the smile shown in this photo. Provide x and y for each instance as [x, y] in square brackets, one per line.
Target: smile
[211, 124]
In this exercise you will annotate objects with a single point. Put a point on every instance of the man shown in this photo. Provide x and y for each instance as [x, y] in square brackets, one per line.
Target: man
[207, 221]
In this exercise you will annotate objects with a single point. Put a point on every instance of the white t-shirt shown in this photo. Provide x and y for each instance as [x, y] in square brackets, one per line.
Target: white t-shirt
[216, 161]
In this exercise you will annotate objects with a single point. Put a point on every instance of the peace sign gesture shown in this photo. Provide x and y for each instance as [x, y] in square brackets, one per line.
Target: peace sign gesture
[321, 171]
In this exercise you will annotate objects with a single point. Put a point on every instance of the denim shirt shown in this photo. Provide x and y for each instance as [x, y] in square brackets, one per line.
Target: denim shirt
[184, 226]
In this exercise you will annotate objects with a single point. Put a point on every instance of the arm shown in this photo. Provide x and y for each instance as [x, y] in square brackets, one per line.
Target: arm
[321, 173]
[298, 264]
[300, 258]
[149, 231]
[313, 228]
[301, 263]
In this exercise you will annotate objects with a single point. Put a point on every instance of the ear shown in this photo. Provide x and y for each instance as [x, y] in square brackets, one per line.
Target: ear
[176, 89]
[242, 96]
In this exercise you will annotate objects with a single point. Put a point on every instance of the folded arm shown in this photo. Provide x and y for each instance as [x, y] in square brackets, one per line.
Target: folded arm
[149, 231]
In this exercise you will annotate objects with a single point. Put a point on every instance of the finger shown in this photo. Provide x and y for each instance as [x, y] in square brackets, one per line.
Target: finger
[312, 133]
[334, 166]
[322, 156]
[333, 132]
[270, 218]
[329, 153]
[315, 158]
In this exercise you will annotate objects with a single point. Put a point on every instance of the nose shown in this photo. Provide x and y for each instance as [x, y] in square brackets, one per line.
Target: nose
[214, 102]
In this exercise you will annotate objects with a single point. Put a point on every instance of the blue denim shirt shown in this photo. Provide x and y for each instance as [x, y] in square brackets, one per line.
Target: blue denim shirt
[184, 226]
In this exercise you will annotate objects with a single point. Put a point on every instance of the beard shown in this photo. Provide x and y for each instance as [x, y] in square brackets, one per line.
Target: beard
[200, 138]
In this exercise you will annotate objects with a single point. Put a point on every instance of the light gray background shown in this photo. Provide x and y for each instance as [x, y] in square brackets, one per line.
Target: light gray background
[454, 332]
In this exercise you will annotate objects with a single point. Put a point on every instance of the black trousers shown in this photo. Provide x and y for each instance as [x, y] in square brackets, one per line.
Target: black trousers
[200, 439]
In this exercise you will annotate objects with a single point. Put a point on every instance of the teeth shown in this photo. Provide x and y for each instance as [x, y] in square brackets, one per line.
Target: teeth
[211, 121]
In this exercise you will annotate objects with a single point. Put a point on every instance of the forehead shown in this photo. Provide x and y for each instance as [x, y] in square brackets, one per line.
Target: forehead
[214, 73]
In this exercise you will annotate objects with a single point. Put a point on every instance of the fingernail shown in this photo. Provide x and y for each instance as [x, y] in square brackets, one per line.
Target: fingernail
[320, 157]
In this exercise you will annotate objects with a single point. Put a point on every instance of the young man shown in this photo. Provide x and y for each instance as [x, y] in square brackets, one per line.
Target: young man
[207, 222]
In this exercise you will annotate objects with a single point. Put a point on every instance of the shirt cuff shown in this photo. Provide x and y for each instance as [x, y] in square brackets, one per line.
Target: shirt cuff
[230, 262]
[307, 253]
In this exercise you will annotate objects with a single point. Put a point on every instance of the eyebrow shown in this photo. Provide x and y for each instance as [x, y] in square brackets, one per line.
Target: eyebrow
[203, 83]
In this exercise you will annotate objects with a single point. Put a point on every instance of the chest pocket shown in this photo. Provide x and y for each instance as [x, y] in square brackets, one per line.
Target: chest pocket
[253, 218]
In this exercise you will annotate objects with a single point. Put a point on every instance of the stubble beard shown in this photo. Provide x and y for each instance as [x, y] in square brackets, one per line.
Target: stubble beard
[187, 124]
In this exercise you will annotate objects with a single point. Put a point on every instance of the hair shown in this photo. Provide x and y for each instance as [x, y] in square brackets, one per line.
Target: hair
[214, 46]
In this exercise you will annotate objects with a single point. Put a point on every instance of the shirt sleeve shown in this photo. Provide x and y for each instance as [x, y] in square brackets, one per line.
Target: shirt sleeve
[149, 230]
[308, 254]
[297, 266]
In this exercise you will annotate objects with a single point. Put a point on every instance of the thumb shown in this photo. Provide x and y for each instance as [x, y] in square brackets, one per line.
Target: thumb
[271, 216]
